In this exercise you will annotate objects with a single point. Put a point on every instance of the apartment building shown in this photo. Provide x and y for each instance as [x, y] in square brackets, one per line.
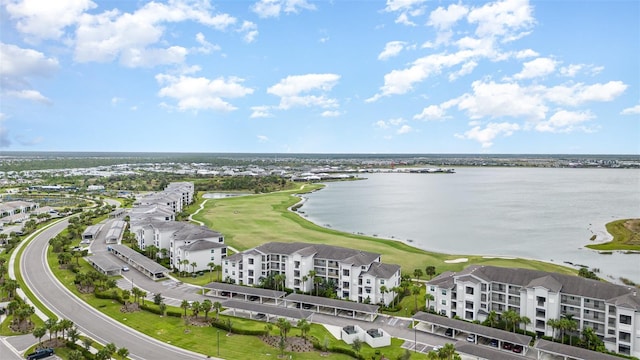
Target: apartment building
[613, 311]
[357, 275]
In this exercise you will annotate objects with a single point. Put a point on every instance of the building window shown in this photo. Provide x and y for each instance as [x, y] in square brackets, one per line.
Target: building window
[443, 302]
[469, 290]
[345, 272]
[368, 281]
[444, 292]
[213, 251]
[483, 287]
[624, 336]
[213, 258]
[432, 288]
[250, 261]
[381, 282]
[625, 319]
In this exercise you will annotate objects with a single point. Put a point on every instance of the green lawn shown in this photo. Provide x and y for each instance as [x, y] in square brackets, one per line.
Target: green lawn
[626, 236]
[249, 221]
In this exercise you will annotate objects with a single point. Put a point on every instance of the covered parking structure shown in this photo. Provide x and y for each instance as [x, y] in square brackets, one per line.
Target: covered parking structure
[105, 264]
[91, 232]
[567, 352]
[485, 353]
[333, 307]
[247, 293]
[138, 261]
[266, 312]
[432, 323]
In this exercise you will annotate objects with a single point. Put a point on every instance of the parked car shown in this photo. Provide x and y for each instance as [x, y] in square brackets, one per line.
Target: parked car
[471, 338]
[40, 354]
[449, 332]
[437, 347]
[125, 268]
[507, 346]
[260, 316]
[253, 298]
[494, 343]
[517, 349]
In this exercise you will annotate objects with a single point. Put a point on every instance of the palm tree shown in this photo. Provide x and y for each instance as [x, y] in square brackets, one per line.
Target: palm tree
[304, 282]
[525, 321]
[195, 308]
[185, 305]
[123, 353]
[312, 275]
[284, 325]
[396, 290]
[429, 299]
[39, 332]
[554, 323]
[49, 324]
[430, 270]
[211, 265]
[316, 282]
[418, 273]
[193, 266]
[415, 290]
[492, 319]
[206, 307]
[304, 327]
[383, 290]
[184, 263]
[218, 269]
[217, 306]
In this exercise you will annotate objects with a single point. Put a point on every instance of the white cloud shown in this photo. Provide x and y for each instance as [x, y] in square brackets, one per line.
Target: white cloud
[581, 93]
[131, 37]
[199, 93]
[46, 19]
[502, 18]
[564, 121]
[402, 5]
[19, 66]
[116, 100]
[260, 112]
[486, 135]
[502, 99]
[572, 70]
[536, 68]
[391, 49]
[431, 112]
[331, 113]
[396, 121]
[263, 139]
[404, 129]
[443, 19]
[291, 88]
[273, 8]
[381, 124]
[205, 46]
[634, 110]
[465, 69]
[250, 31]
[527, 53]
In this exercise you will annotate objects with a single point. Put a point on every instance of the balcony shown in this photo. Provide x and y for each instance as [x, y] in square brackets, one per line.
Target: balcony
[570, 301]
[320, 263]
[497, 298]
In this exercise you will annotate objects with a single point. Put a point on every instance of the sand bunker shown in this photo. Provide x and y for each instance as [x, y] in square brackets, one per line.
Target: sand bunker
[455, 261]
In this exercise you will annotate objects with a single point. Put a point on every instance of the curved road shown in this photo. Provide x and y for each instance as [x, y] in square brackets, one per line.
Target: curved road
[39, 278]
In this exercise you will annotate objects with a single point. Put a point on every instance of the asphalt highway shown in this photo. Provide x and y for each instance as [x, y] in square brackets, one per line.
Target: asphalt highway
[39, 278]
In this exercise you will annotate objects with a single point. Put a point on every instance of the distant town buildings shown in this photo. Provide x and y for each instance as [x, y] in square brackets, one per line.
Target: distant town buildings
[357, 275]
[612, 311]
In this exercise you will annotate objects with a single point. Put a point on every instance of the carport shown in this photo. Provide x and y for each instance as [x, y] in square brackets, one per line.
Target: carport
[431, 323]
[104, 264]
[91, 232]
[333, 307]
[228, 291]
[270, 311]
[138, 261]
[485, 353]
[569, 352]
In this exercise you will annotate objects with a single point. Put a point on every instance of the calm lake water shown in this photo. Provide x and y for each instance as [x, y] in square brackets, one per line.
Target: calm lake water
[539, 213]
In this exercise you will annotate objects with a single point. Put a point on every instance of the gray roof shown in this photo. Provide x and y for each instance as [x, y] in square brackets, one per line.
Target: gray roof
[141, 260]
[92, 230]
[546, 282]
[279, 311]
[382, 270]
[190, 231]
[630, 301]
[246, 290]
[472, 328]
[104, 262]
[355, 257]
[444, 280]
[485, 352]
[571, 284]
[202, 245]
[333, 303]
[572, 351]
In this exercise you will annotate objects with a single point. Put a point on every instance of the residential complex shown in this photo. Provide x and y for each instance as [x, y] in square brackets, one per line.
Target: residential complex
[152, 223]
[357, 275]
[613, 311]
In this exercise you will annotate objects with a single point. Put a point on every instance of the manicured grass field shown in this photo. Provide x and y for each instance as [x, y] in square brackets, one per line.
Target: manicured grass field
[626, 236]
[249, 221]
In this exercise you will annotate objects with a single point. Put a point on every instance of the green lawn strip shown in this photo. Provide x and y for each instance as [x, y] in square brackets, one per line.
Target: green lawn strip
[623, 238]
[5, 330]
[199, 280]
[249, 221]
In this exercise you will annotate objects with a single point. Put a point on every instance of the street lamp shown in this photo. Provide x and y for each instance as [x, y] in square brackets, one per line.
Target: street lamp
[218, 331]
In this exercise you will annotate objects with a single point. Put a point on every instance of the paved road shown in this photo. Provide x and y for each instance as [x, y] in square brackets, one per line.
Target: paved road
[52, 294]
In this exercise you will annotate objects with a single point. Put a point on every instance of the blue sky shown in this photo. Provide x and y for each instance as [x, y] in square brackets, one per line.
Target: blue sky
[401, 76]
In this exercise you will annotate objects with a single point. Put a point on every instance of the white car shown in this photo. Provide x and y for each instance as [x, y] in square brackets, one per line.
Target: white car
[436, 348]
[471, 338]
[125, 268]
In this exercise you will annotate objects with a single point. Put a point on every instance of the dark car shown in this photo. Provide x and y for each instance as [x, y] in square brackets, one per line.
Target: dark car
[507, 346]
[517, 349]
[253, 298]
[260, 316]
[40, 353]
[449, 332]
[494, 343]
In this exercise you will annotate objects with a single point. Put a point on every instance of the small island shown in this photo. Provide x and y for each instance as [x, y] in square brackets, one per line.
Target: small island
[626, 236]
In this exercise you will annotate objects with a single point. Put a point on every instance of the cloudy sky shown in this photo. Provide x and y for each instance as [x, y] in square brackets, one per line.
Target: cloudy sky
[300, 76]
